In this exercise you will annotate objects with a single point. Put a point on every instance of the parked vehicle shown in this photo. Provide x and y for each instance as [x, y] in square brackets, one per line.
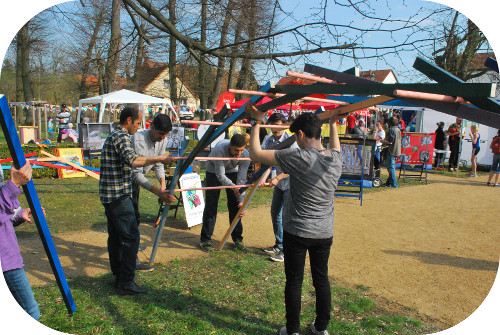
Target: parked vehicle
[185, 113]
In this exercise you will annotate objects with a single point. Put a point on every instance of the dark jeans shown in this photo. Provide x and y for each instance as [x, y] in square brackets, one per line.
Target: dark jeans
[295, 249]
[454, 147]
[136, 190]
[211, 203]
[20, 288]
[123, 238]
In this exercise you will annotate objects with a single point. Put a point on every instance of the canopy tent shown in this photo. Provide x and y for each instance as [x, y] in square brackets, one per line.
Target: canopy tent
[314, 105]
[126, 97]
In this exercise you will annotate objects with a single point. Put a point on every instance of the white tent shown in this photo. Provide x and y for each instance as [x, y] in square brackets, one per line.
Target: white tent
[126, 97]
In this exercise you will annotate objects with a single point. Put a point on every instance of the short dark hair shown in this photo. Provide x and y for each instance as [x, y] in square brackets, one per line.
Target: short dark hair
[162, 123]
[309, 123]
[275, 117]
[128, 112]
[393, 121]
[238, 141]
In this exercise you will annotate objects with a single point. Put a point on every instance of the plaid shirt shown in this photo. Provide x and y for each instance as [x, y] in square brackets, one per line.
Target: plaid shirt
[117, 156]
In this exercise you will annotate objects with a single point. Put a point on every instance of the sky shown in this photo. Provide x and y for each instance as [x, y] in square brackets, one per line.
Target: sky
[484, 13]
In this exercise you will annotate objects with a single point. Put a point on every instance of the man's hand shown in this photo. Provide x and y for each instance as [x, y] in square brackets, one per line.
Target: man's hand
[26, 215]
[274, 181]
[242, 214]
[254, 112]
[165, 158]
[335, 116]
[22, 176]
[166, 197]
[237, 192]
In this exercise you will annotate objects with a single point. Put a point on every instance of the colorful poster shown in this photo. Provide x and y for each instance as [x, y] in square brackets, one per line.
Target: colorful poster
[417, 148]
[194, 204]
[75, 156]
[357, 154]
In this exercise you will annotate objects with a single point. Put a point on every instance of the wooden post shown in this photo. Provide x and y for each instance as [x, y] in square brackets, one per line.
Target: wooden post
[249, 196]
[39, 116]
[33, 115]
[46, 123]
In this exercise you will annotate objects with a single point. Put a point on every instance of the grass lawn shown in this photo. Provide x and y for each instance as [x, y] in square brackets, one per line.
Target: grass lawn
[225, 292]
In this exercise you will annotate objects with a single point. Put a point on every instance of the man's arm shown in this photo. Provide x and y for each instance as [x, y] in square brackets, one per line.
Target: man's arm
[145, 161]
[334, 135]
[256, 152]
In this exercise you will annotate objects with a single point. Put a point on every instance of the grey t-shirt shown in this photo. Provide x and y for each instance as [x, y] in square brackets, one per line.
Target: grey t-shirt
[143, 146]
[314, 176]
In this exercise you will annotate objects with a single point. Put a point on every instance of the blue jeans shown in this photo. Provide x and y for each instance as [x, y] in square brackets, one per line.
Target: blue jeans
[295, 249]
[123, 238]
[20, 288]
[391, 168]
[279, 200]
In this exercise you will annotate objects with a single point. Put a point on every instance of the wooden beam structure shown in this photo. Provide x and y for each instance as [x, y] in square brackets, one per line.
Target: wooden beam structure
[481, 90]
[456, 109]
[16, 152]
[442, 77]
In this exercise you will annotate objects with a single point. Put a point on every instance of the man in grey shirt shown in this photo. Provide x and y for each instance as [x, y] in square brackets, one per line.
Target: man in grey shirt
[225, 173]
[149, 143]
[308, 215]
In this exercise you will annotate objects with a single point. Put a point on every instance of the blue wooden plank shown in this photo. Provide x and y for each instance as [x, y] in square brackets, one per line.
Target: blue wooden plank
[18, 160]
[492, 64]
[173, 183]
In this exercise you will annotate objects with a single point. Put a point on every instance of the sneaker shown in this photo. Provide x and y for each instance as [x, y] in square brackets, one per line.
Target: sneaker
[140, 266]
[496, 185]
[488, 184]
[279, 257]
[207, 246]
[271, 250]
[283, 331]
[131, 289]
[316, 332]
[238, 245]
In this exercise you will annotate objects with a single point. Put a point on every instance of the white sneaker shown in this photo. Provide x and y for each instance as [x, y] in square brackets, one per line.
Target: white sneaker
[271, 250]
[283, 331]
[279, 257]
[314, 331]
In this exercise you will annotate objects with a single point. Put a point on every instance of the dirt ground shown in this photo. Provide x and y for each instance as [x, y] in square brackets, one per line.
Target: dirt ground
[434, 248]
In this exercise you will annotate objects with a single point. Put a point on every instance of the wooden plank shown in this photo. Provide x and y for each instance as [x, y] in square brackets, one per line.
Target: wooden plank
[166, 208]
[248, 198]
[491, 64]
[459, 110]
[78, 167]
[16, 152]
[441, 76]
[454, 89]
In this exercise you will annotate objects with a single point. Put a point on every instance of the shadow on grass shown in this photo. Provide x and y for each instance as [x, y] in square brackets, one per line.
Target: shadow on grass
[442, 259]
[166, 311]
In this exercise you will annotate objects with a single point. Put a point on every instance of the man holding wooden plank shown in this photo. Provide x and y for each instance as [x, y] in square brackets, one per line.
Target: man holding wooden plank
[118, 157]
[149, 142]
[308, 215]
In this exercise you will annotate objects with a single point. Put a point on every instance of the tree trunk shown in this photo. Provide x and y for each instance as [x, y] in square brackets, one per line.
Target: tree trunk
[88, 58]
[474, 41]
[172, 56]
[139, 57]
[114, 48]
[23, 82]
[246, 64]
[217, 90]
[233, 61]
[203, 67]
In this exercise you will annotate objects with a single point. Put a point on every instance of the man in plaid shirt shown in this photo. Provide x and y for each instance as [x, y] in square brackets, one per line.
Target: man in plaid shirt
[115, 192]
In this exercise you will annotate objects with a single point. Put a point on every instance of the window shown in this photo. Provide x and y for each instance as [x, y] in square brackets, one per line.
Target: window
[183, 101]
[166, 83]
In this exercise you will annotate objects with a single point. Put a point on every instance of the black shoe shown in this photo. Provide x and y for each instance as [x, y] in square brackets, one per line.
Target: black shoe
[131, 289]
[142, 247]
[140, 266]
[115, 283]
